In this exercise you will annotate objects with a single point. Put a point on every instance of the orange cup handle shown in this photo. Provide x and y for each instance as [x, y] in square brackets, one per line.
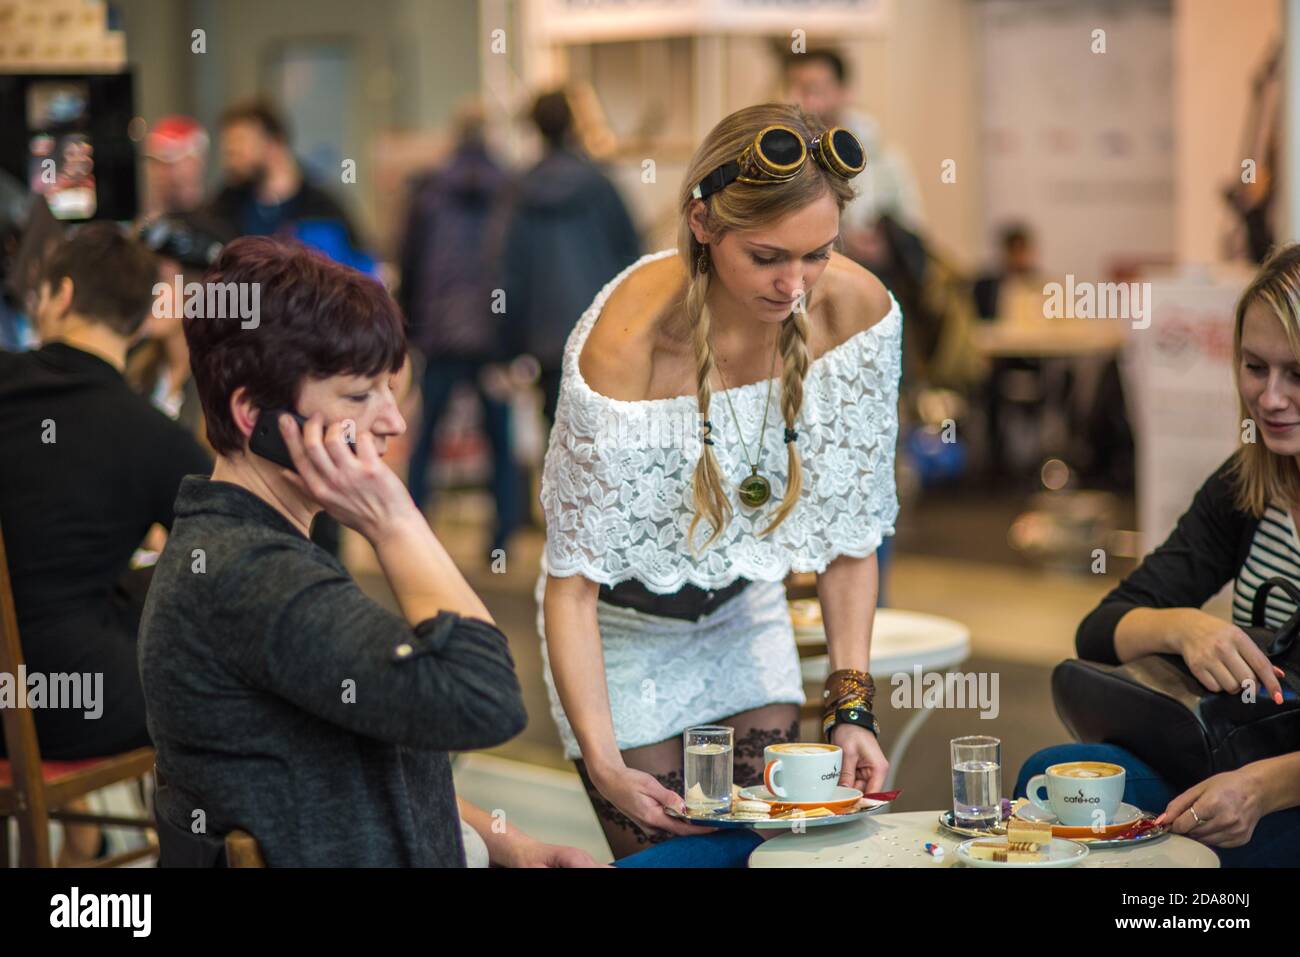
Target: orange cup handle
[769, 773]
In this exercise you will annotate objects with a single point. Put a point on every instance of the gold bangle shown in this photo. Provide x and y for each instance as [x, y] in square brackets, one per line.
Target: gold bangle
[848, 679]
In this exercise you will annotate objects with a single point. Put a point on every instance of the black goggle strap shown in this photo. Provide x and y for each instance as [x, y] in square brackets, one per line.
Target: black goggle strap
[720, 177]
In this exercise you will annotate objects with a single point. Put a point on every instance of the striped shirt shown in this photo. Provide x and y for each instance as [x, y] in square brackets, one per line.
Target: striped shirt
[1274, 552]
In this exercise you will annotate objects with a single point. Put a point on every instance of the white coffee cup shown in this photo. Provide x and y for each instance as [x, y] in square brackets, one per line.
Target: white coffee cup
[802, 771]
[1080, 793]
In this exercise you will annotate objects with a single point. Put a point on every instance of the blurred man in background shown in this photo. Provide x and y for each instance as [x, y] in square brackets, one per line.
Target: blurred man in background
[1015, 278]
[569, 233]
[267, 192]
[818, 82]
[446, 294]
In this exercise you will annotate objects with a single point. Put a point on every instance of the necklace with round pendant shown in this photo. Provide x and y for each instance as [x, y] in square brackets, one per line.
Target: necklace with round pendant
[754, 489]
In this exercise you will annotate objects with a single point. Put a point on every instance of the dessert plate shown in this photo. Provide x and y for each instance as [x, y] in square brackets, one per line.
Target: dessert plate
[1059, 853]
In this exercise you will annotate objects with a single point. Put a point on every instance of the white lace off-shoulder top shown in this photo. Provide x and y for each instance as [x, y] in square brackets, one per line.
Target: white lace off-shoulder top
[617, 480]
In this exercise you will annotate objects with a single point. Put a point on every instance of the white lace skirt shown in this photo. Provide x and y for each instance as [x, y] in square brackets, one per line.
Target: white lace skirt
[665, 674]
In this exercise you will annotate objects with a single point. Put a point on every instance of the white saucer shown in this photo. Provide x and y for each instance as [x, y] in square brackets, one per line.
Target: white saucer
[1059, 853]
[1029, 811]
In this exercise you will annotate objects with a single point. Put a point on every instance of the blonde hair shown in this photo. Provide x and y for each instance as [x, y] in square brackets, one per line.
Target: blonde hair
[745, 206]
[1260, 476]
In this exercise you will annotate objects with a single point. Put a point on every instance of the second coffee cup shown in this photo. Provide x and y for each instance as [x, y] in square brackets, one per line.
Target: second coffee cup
[802, 771]
[1080, 793]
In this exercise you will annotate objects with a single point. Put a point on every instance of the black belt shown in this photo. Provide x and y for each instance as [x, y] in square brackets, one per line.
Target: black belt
[690, 603]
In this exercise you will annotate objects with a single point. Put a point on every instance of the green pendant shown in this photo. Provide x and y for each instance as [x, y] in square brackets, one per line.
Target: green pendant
[754, 490]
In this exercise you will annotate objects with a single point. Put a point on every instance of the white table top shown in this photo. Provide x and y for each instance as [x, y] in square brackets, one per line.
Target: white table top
[901, 640]
[897, 840]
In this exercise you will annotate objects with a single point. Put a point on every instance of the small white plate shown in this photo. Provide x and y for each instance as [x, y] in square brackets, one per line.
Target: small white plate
[1029, 811]
[1059, 853]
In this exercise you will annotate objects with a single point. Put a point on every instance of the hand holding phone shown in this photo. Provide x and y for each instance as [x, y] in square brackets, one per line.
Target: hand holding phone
[363, 494]
[268, 442]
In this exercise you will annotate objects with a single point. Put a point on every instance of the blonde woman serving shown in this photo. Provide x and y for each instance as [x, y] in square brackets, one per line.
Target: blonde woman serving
[661, 595]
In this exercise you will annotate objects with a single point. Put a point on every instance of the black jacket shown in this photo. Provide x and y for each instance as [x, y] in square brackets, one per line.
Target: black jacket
[86, 467]
[233, 205]
[568, 235]
[285, 702]
[446, 258]
[1204, 552]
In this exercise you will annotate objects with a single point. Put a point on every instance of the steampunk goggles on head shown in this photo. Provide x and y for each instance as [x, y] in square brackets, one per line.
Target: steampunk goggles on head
[778, 153]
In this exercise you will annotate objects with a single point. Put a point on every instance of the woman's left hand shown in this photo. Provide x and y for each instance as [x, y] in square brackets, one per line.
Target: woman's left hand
[864, 764]
[1229, 806]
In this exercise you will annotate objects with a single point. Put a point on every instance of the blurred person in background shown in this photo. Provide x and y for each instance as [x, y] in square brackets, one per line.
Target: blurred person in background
[818, 81]
[446, 294]
[90, 468]
[998, 293]
[175, 166]
[568, 234]
[1012, 293]
[158, 365]
[266, 192]
[16, 209]
[29, 233]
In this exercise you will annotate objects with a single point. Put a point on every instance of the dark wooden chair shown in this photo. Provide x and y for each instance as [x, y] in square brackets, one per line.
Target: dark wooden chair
[35, 792]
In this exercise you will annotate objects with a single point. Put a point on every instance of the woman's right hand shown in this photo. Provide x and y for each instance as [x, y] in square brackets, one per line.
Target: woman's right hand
[1221, 655]
[642, 798]
[359, 489]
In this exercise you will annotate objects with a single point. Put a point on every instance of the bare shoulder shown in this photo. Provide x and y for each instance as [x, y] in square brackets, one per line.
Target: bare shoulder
[617, 358]
[856, 300]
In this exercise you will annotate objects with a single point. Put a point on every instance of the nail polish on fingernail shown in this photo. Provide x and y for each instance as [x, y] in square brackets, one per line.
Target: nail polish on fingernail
[1277, 697]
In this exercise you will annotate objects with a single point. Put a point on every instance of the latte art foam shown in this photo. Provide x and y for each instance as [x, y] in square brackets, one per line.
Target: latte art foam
[1090, 770]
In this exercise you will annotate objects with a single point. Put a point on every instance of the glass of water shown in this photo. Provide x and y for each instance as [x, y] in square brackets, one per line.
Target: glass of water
[976, 781]
[708, 768]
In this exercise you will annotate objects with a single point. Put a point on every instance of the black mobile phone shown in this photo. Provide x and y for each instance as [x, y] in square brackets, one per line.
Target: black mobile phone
[267, 441]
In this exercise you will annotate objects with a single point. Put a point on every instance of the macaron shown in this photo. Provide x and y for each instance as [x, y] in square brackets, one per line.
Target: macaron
[750, 810]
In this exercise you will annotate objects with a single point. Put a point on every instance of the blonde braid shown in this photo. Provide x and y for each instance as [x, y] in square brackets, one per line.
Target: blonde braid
[710, 500]
[794, 352]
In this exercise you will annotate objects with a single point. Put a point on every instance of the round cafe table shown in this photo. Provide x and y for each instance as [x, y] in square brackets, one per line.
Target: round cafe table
[900, 641]
[898, 840]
